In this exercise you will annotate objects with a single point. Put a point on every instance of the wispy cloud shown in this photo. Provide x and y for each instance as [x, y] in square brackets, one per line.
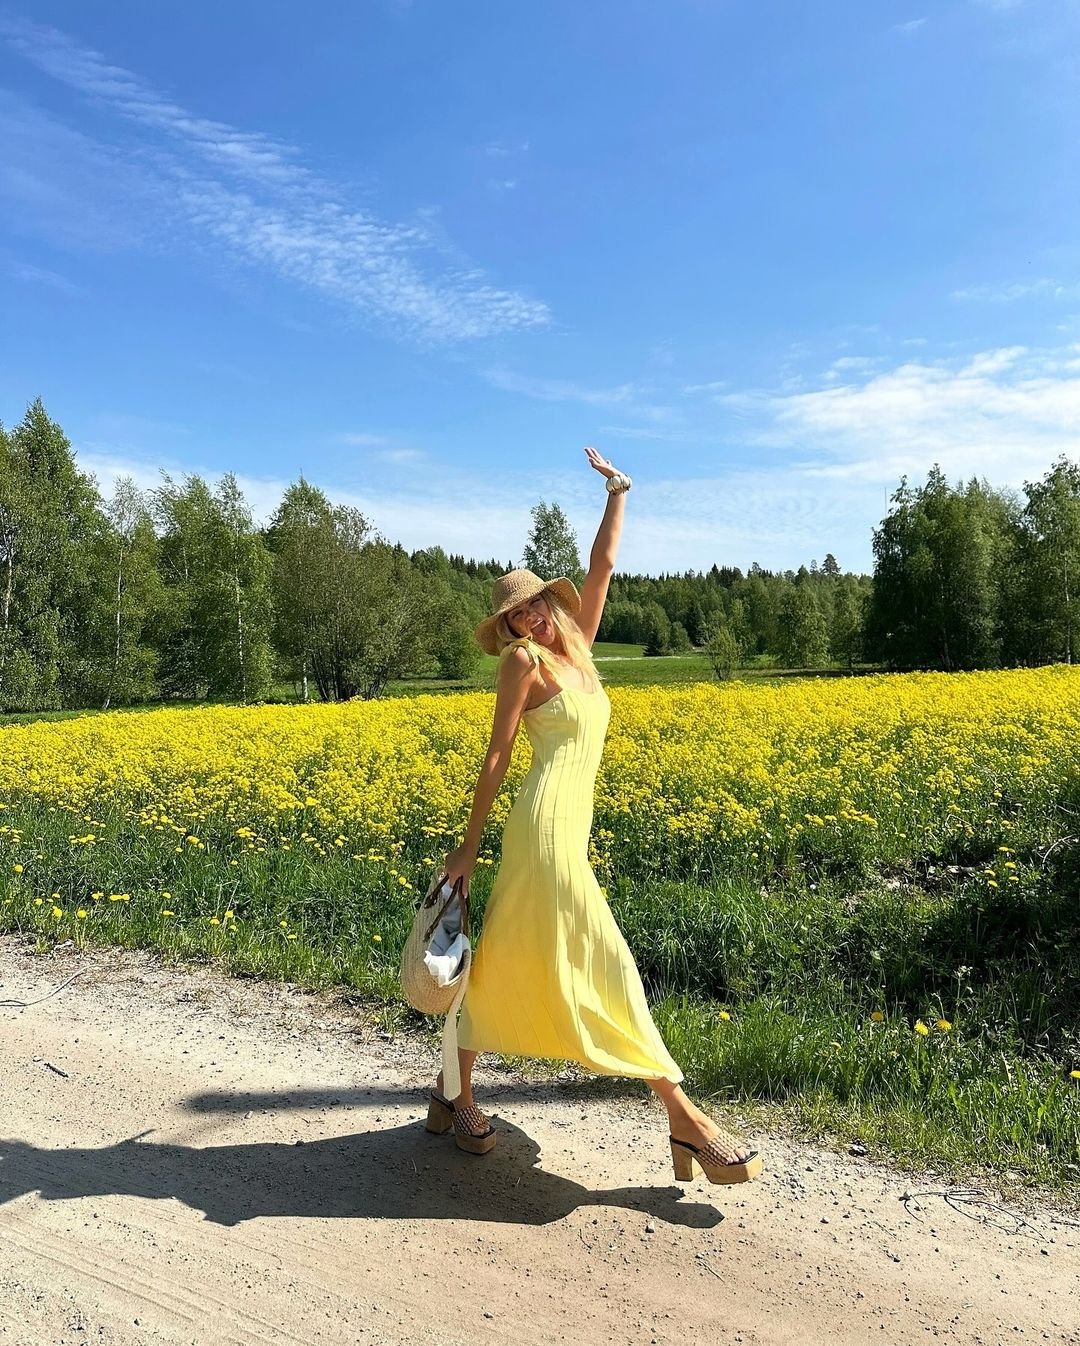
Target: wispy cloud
[38, 275]
[382, 448]
[362, 440]
[912, 26]
[402, 457]
[505, 149]
[1042, 287]
[1003, 413]
[447, 509]
[827, 460]
[627, 398]
[646, 432]
[848, 365]
[559, 390]
[253, 194]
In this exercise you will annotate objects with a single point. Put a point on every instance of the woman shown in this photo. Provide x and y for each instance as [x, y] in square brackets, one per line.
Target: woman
[553, 976]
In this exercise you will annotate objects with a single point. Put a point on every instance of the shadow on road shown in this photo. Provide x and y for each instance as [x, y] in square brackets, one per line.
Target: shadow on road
[396, 1173]
[585, 1091]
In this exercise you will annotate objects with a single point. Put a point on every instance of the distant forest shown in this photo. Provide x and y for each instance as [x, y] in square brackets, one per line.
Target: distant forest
[176, 593]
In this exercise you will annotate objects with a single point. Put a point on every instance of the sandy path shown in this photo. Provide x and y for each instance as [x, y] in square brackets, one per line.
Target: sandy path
[283, 1191]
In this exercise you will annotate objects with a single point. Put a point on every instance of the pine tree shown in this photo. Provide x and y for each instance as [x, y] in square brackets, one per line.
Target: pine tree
[50, 516]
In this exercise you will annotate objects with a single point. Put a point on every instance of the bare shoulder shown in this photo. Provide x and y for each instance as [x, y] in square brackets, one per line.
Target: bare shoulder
[517, 672]
[517, 658]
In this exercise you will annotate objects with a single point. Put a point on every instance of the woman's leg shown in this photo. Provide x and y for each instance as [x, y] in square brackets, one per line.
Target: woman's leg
[685, 1120]
[465, 1066]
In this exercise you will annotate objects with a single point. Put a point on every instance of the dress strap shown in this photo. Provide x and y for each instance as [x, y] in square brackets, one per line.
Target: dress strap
[536, 653]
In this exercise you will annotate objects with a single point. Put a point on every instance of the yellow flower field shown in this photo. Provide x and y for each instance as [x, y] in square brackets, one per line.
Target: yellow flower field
[692, 778]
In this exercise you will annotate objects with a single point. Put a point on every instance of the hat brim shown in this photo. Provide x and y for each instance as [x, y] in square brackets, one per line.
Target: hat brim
[569, 598]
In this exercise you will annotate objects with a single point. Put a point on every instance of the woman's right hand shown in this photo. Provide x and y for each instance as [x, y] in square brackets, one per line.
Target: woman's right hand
[460, 864]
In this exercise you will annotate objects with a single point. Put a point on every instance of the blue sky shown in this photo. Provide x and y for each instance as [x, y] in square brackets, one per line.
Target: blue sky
[766, 255]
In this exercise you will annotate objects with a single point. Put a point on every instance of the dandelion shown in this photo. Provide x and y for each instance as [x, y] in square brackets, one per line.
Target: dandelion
[376, 939]
[38, 901]
[877, 1017]
[166, 912]
[228, 916]
[119, 897]
[166, 897]
[725, 1016]
[57, 912]
[921, 1029]
[284, 924]
[944, 1025]
[214, 920]
[1074, 1074]
[17, 868]
[81, 914]
[290, 936]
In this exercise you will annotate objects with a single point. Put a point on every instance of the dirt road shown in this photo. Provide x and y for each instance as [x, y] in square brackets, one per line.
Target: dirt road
[185, 1159]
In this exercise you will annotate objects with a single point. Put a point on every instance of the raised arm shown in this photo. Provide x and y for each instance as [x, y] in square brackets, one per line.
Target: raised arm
[515, 676]
[594, 590]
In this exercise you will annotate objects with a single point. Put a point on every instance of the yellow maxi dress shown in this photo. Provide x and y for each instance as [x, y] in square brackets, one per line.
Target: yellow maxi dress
[552, 974]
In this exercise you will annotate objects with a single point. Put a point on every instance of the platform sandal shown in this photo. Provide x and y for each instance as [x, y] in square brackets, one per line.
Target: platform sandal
[473, 1133]
[714, 1159]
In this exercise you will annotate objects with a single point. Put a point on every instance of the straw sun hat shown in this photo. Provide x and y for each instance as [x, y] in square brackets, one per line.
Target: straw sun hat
[514, 588]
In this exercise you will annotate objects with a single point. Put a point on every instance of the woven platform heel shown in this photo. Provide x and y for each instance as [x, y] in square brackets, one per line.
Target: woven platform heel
[713, 1160]
[440, 1115]
[473, 1133]
[467, 1132]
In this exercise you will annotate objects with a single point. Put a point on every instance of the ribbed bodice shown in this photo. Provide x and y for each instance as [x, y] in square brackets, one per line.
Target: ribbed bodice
[567, 736]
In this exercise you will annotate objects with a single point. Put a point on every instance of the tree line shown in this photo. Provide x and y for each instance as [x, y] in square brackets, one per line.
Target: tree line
[175, 592]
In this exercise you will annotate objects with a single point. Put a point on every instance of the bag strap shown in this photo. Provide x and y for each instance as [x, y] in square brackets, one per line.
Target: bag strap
[451, 1070]
[458, 891]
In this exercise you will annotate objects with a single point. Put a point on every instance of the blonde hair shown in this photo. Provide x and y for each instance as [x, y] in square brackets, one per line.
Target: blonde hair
[575, 649]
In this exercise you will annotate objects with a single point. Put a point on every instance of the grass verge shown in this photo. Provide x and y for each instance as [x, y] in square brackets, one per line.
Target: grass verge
[923, 1013]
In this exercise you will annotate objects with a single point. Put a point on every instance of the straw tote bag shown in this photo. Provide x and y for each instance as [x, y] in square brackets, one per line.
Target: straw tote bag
[435, 965]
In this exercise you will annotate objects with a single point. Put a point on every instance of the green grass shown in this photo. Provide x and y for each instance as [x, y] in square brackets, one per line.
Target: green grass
[607, 649]
[765, 992]
[620, 666]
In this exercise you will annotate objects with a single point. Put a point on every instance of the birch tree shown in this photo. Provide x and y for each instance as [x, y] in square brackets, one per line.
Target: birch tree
[129, 569]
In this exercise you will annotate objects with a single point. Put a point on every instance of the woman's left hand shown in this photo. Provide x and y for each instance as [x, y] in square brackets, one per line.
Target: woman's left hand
[602, 465]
